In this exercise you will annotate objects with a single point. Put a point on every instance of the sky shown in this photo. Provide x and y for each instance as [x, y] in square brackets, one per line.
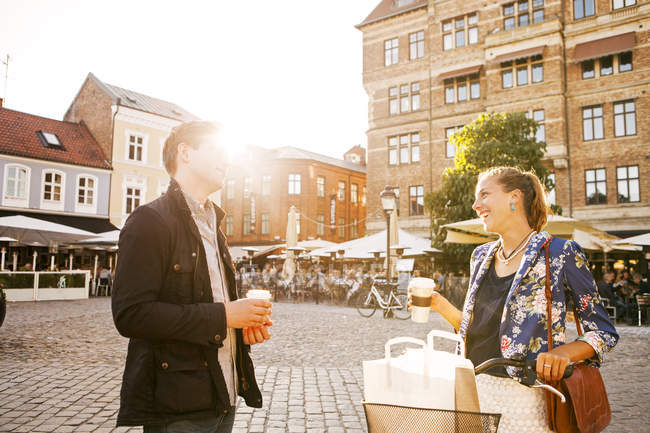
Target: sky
[275, 73]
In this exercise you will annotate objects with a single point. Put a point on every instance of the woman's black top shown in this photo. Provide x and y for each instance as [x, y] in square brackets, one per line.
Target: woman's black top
[482, 341]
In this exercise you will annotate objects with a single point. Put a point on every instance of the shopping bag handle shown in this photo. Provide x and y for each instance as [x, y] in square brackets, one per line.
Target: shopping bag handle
[399, 340]
[448, 336]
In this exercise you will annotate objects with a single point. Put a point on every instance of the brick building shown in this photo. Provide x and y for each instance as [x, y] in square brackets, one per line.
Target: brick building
[328, 193]
[580, 68]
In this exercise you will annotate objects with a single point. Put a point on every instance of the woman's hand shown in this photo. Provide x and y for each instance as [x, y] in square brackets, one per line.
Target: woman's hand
[436, 301]
[551, 366]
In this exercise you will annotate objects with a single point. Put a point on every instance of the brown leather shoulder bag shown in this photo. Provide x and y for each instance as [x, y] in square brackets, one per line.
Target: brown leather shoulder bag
[587, 408]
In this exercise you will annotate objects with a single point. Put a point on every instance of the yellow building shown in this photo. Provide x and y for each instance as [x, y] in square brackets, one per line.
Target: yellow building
[131, 128]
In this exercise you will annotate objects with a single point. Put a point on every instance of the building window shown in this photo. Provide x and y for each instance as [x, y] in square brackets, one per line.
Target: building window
[540, 134]
[320, 186]
[86, 190]
[392, 150]
[415, 147]
[229, 225]
[409, 149]
[354, 229]
[16, 182]
[528, 70]
[461, 89]
[341, 228]
[596, 186]
[518, 14]
[550, 195]
[624, 119]
[393, 101]
[363, 196]
[619, 4]
[266, 223]
[460, 31]
[624, 61]
[266, 185]
[416, 200]
[248, 181]
[341, 191]
[136, 147]
[246, 226]
[53, 186]
[583, 8]
[230, 189]
[450, 148]
[133, 198]
[294, 184]
[407, 100]
[592, 123]
[391, 51]
[627, 184]
[320, 225]
[416, 45]
[608, 65]
[354, 193]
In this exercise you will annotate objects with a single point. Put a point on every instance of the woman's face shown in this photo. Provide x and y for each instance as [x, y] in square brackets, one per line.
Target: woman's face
[492, 204]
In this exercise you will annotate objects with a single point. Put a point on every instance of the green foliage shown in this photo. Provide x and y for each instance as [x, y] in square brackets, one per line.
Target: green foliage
[491, 140]
[16, 281]
[50, 281]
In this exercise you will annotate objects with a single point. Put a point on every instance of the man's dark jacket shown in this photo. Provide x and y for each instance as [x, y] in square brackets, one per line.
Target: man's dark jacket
[162, 301]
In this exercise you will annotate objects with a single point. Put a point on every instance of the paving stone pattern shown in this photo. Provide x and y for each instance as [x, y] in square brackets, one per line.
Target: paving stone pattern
[61, 364]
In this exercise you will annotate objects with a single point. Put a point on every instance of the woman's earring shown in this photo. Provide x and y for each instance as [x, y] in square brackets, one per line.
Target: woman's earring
[512, 206]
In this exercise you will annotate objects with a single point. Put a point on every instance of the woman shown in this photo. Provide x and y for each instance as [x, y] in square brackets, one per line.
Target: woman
[505, 308]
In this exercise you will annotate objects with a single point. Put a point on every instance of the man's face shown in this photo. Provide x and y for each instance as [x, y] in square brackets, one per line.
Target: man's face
[208, 161]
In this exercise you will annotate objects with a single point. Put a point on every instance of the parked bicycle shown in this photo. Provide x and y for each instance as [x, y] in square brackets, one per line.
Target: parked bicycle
[385, 296]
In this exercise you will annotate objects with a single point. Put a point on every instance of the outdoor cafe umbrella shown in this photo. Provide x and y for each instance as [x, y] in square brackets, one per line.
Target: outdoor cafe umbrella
[642, 240]
[289, 267]
[28, 230]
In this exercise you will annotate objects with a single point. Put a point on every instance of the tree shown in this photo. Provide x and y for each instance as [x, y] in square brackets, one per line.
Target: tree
[491, 140]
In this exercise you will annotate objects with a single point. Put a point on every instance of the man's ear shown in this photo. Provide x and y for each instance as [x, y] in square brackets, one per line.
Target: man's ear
[183, 152]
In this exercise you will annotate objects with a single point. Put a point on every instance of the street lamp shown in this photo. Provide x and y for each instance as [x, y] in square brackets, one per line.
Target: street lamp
[251, 252]
[388, 198]
[376, 254]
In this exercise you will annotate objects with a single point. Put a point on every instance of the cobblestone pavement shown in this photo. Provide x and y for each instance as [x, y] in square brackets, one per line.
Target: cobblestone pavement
[61, 364]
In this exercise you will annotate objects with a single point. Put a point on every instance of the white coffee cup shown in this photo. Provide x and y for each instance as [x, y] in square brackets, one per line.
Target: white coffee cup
[421, 292]
[259, 294]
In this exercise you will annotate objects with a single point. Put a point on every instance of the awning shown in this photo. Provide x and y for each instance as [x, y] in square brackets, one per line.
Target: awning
[529, 52]
[604, 47]
[460, 72]
[90, 224]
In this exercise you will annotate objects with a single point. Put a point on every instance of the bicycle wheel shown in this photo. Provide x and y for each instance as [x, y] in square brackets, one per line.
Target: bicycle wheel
[366, 304]
[400, 311]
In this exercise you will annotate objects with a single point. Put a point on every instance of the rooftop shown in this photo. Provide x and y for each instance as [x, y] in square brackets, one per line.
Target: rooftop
[31, 136]
[389, 8]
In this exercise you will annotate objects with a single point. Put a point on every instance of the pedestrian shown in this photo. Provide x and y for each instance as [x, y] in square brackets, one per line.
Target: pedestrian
[505, 314]
[175, 299]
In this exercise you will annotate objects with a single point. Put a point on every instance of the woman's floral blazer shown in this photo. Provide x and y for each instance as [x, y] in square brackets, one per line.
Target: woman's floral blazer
[523, 329]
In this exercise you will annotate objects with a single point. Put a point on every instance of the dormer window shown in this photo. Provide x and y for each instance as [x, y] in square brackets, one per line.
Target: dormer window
[402, 3]
[49, 139]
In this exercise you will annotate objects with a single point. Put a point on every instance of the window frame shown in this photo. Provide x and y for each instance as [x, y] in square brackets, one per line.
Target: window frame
[624, 116]
[393, 50]
[584, 4]
[404, 148]
[229, 225]
[246, 225]
[84, 207]
[419, 194]
[354, 193]
[513, 68]
[592, 118]
[50, 204]
[595, 182]
[466, 81]
[320, 225]
[416, 45]
[448, 142]
[144, 145]
[624, 5]
[265, 219]
[627, 180]
[341, 228]
[531, 12]
[454, 30]
[596, 65]
[295, 184]
[16, 201]
[320, 186]
[341, 190]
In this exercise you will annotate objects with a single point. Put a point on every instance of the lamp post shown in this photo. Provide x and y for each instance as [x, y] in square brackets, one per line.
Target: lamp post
[251, 252]
[388, 198]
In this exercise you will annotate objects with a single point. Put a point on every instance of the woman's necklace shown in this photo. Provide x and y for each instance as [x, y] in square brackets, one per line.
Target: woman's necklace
[501, 255]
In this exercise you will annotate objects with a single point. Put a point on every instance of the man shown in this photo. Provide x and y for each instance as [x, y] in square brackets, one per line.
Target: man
[606, 287]
[175, 298]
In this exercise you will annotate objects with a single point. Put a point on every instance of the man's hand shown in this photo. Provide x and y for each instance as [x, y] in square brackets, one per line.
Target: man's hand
[245, 313]
[257, 335]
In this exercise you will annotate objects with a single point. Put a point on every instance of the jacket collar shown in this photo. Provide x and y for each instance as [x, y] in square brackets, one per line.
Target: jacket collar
[176, 194]
[532, 251]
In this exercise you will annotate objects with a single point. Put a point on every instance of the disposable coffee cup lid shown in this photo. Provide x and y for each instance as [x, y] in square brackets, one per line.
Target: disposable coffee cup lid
[258, 294]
